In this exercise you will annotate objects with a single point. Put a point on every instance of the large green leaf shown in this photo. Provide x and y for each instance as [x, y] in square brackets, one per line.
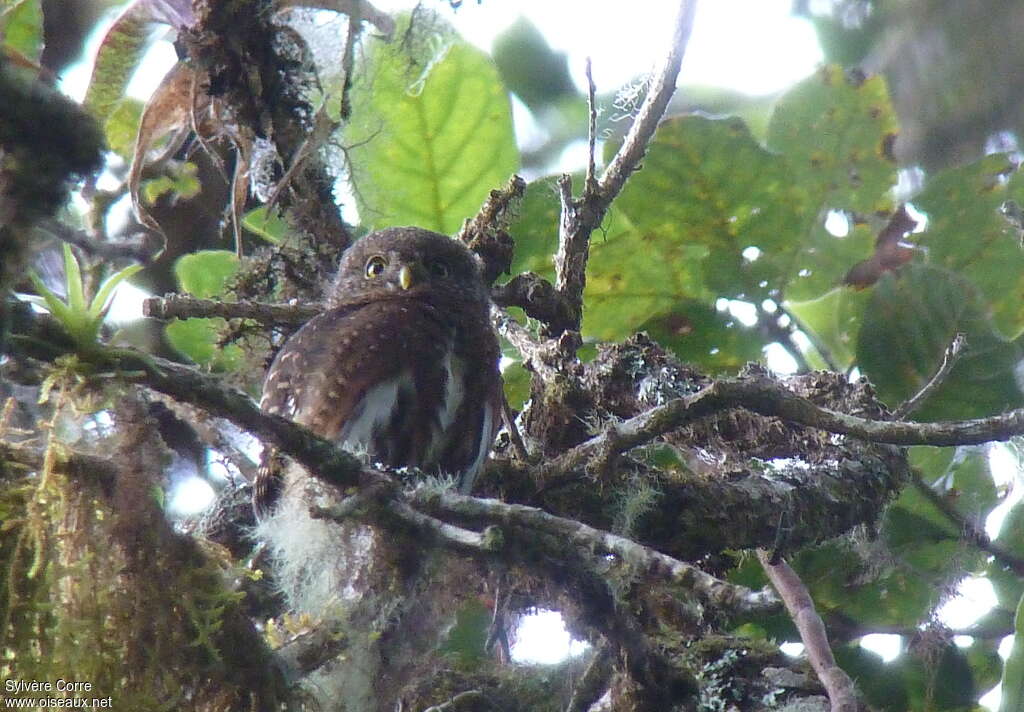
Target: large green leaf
[911, 319]
[1012, 687]
[833, 320]
[21, 26]
[939, 677]
[430, 136]
[837, 133]
[205, 274]
[706, 337]
[708, 184]
[967, 234]
[118, 57]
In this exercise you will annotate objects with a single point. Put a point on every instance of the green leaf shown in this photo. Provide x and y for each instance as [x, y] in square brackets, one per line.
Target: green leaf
[197, 339]
[73, 281]
[206, 273]
[706, 337]
[910, 320]
[271, 227]
[119, 55]
[834, 320]
[968, 235]
[21, 26]
[117, 59]
[430, 136]
[708, 187]
[466, 639]
[536, 228]
[529, 67]
[183, 185]
[56, 306]
[837, 134]
[1012, 687]
[105, 293]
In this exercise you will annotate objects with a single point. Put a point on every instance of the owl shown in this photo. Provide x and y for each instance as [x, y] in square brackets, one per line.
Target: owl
[402, 365]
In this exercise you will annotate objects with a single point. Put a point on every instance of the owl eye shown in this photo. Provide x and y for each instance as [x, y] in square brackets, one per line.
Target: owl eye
[438, 268]
[375, 266]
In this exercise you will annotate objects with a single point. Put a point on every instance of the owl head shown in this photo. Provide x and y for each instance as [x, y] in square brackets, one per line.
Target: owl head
[407, 263]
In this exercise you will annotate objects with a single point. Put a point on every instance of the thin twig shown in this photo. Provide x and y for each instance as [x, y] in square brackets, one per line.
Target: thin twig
[590, 182]
[518, 446]
[823, 351]
[950, 357]
[579, 218]
[841, 692]
[971, 531]
[771, 328]
[464, 701]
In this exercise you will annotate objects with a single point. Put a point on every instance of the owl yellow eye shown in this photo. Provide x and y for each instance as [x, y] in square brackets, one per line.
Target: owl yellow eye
[438, 268]
[375, 266]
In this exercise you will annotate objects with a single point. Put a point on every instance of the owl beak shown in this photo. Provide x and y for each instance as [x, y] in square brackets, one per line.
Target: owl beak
[405, 277]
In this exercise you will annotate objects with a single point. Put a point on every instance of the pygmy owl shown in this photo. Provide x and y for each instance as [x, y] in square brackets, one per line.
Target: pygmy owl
[403, 364]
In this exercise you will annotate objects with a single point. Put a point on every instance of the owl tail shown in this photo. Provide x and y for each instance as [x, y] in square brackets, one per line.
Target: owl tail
[266, 490]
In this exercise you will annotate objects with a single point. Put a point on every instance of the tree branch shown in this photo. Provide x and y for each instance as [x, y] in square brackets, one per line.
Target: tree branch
[841, 692]
[767, 397]
[736, 600]
[579, 218]
[182, 306]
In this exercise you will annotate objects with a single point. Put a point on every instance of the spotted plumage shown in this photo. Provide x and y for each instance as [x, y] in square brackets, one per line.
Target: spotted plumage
[403, 364]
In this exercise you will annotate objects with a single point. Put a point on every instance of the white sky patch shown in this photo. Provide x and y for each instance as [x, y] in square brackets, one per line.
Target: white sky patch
[752, 46]
[885, 645]
[793, 650]
[542, 639]
[975, 597]
[126, 306]
[779, 360]
[837, 224]
[191, 496]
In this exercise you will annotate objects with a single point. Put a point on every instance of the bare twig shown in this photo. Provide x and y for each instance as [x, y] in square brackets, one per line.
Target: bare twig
[842, 694]
[769, 324]
[949, 359]
[182, 306]
[590, 182]
[627, 158]
[135, 250]
[486, 233]
[579, 218]
[518, 446]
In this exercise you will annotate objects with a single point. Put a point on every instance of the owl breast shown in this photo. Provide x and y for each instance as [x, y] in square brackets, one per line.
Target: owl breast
[423, 420]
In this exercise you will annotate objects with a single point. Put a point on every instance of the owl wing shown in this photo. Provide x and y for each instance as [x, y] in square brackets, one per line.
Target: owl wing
[321, 376]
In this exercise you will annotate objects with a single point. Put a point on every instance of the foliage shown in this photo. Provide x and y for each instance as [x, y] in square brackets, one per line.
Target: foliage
[720, 247]
[80, 317]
